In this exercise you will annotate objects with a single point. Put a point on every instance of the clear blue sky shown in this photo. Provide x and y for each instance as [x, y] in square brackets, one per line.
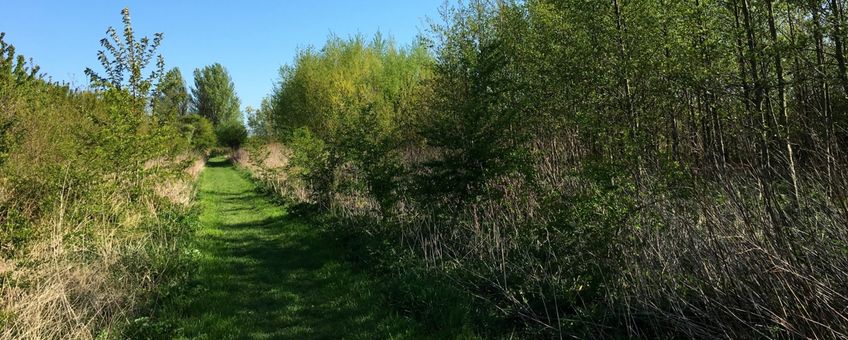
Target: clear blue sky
[252, 39]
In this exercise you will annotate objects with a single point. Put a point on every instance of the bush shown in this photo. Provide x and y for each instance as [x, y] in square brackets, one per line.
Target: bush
[231, 135]
[311, 164]
[83, 219]
[199, 132]
[657, 191]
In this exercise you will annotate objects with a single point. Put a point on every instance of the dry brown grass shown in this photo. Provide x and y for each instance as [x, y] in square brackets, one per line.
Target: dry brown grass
[741, 266]
[86, 276]
[277, 156]
[6, 193]
[269, 163]
[196, 167]
[273, 156]
[181, 190]
[63, 288]
[177, 191]
[161, 162]
[6, 267]
[720, 255]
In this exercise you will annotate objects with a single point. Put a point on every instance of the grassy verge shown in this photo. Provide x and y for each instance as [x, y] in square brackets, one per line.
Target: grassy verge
[101, 260]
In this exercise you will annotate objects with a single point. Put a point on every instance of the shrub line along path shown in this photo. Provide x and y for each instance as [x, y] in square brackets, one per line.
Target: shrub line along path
[266, 274]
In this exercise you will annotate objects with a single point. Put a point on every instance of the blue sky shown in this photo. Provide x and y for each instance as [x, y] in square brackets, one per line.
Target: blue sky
[252, 39]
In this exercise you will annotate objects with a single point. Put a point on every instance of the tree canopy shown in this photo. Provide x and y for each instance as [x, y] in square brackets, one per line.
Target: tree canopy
[130, 57]
[214, 96]
[172, 98]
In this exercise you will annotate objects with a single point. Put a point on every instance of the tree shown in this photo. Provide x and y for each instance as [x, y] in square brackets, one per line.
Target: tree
[214, 96]
[124, 137]
[231, 134]
[571, 140]
[258, 120]
[355, 97]
[199, 132]
[130, 57]
[474, 117]
[172, 98]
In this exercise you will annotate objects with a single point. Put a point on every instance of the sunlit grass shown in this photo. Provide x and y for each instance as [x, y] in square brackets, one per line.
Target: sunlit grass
[263, 273]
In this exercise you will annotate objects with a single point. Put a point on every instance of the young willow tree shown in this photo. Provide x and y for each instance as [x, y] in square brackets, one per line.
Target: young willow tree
[131, 138]
[475, 117]
[129, 59]
[350, 103]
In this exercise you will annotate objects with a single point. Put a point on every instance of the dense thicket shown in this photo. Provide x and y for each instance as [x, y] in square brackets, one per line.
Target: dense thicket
[617, 168]
[93, 198]
[350, 104]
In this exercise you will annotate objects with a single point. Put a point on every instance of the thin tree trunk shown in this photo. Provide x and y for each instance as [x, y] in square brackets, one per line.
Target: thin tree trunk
[838, 43]
[624, 59]
[781, 99]
[625, 77]
[821, 76]
[758, 89]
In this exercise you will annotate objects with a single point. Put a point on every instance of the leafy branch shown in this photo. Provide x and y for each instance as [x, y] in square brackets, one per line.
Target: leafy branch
[129, 59]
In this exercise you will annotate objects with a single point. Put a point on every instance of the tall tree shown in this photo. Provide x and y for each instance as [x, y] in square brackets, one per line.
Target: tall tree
[258, 120]
[474, 116]
[172, 98]
[214, 95]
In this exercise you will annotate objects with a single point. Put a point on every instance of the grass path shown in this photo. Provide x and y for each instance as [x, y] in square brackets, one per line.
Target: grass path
[264, 274]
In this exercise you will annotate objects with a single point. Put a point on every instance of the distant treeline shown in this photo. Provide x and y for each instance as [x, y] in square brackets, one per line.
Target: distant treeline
[620, 168]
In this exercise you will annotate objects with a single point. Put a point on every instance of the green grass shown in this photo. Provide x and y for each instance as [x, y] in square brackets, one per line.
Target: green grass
[265, 274]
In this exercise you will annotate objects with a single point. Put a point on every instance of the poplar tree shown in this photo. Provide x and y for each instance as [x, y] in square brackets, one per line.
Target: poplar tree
[214, 96]
[172, 97]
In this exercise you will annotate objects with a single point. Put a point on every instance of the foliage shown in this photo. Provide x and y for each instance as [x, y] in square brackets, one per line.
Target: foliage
[356, 98]
[311, 163]
[172, 98]
[567, 168]
[199, 132]
[130, 57]
[594, 169]
[13, 72]
[214, 96]
[83, 221]
[231, 134]
[475, 116]
[259, 120]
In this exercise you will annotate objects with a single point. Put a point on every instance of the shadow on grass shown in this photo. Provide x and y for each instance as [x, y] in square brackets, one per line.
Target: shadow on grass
[219, 162]
[263, 273]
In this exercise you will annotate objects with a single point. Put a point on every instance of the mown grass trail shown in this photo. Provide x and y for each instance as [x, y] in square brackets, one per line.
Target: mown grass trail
[265, 274]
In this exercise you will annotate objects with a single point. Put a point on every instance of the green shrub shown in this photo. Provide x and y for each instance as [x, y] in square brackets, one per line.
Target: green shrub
[312, 164]
[199, 132]
[231, 135]
[76, 175]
